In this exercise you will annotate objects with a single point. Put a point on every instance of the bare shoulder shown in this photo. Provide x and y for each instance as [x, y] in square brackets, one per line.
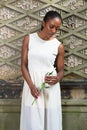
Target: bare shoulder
[61, 48]
[26, 39]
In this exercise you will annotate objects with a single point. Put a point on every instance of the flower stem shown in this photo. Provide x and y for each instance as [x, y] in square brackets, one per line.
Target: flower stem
[43, 85]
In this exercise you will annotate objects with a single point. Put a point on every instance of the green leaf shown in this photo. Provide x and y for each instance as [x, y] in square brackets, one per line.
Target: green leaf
[50, 73]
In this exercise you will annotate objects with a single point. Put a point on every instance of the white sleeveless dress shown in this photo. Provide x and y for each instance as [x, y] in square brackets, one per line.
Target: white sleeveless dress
[45, 113]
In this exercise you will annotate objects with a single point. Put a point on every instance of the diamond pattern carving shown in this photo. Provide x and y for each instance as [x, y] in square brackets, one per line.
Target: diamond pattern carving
[73, 61]
[73, 4]
[8, 72]
[6, 13]
[74, 22]
[73, 42]
[6, 33]
[28, 4]
[20, 17]
[26, 23]
[6, 52]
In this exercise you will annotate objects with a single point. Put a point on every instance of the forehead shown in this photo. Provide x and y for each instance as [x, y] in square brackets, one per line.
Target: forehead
[55, 21]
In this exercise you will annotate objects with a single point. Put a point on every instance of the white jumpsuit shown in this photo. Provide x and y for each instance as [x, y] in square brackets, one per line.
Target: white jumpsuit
[45, 113]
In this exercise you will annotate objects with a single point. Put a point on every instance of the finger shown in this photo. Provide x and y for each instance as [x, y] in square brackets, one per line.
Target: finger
[35, 93]
[52, 81]
[47, 79]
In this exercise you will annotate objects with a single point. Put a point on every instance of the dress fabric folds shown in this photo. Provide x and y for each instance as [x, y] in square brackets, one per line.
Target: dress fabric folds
[45, 113]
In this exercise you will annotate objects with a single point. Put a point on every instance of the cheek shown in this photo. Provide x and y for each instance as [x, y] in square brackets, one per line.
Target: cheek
[46, 28]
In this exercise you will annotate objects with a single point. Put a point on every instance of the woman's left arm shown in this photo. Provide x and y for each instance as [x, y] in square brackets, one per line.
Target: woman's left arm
[60, 63]
[59, 66]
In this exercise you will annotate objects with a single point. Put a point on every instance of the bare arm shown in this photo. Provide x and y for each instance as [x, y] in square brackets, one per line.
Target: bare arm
[24, 67]
[24, 61]
[60, 62]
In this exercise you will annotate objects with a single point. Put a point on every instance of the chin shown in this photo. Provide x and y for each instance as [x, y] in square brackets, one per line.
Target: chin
[51, 35]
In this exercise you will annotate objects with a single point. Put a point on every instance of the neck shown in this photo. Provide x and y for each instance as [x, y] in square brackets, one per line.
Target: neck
[44, 36]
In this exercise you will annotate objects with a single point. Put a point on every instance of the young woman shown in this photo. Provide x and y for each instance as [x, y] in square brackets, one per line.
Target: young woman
[39, 52]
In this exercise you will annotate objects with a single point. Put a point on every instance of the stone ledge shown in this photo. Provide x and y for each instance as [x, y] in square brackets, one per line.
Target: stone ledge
[74, 84]
[10, 89]
[72, 105]
[13, 89]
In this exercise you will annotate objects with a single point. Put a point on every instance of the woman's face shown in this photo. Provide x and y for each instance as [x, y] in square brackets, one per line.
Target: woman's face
[51, 27]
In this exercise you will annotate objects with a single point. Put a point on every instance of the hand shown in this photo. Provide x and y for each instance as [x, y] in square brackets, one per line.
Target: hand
[51, 80]
[34, 91]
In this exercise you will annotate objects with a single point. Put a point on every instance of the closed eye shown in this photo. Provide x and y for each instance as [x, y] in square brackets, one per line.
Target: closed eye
[52, 26]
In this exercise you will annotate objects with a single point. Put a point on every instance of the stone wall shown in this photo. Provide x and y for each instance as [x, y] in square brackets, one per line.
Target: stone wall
[74, 114]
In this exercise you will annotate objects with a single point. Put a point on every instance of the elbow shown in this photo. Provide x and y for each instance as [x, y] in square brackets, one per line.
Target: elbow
[23, 68]
[61, 74]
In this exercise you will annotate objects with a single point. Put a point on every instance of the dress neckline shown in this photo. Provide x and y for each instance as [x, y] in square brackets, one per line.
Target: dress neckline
[44, 40]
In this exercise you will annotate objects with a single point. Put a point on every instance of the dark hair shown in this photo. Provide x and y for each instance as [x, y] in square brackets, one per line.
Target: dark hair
[50, 15]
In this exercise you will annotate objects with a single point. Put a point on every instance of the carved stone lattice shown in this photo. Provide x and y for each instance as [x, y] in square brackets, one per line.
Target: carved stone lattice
[6, 52]
[20, 17]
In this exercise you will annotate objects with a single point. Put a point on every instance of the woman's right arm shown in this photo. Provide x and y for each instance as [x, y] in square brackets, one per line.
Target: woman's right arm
[24, 67]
